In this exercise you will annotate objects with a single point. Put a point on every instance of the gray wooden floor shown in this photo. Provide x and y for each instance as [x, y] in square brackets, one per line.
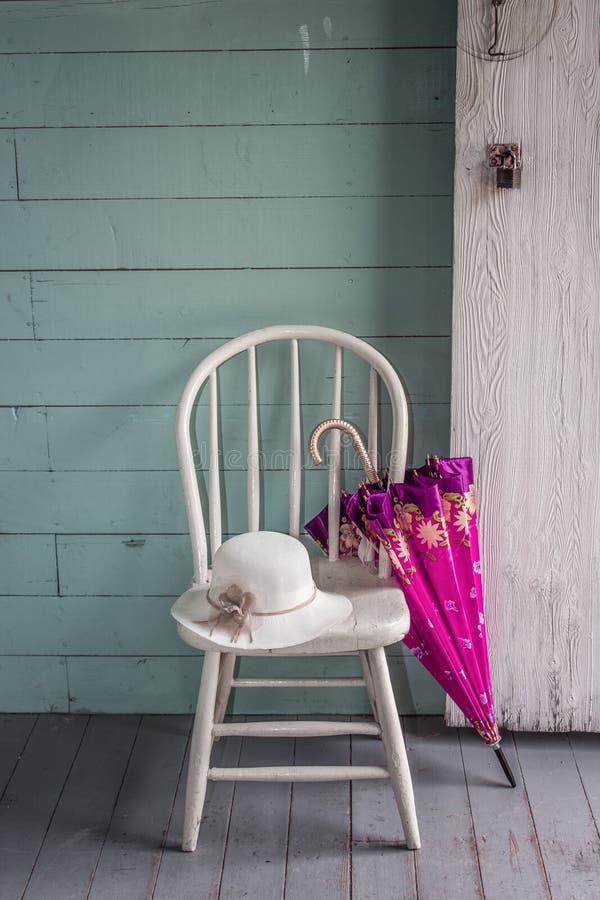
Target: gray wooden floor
[92, 807]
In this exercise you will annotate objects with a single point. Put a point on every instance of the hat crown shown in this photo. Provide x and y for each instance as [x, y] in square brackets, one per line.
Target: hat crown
[274, 567]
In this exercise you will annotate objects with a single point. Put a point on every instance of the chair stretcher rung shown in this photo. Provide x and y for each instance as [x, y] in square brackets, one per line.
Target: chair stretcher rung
[297, 682]
[294, 729]
[298, 773]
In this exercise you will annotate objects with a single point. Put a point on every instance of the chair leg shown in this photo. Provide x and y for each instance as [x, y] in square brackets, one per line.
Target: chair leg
[393, 741]
[364, 661]
[224, 686]
[200, 750]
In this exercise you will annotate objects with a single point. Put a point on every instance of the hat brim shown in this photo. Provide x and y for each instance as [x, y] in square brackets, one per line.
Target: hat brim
[268, 632]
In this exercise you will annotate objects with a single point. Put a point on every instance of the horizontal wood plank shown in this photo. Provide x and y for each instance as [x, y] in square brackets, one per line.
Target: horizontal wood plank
[220, 304]
[126, 564]
[141, 502]
[233, 25]
[27, 564]
[24, 438]
[33, 684]
[8, 172]
[125, 373]
[329, 160]
[128, 437]
[127, 626]
[260, 88]
[89, 626]
[169, 684]
[16, 319]
[255, 233]
[136, 501]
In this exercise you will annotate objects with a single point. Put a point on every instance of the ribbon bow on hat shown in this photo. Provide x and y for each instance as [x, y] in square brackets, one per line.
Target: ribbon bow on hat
[235, 609]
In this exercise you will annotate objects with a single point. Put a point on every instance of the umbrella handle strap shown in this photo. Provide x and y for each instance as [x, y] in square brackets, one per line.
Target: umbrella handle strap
[356, 439]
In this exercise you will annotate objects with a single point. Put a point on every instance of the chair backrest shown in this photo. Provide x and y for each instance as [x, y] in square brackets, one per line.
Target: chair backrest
[380, 368]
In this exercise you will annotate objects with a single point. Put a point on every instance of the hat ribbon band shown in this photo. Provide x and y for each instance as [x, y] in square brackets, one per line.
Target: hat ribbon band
[238, 613]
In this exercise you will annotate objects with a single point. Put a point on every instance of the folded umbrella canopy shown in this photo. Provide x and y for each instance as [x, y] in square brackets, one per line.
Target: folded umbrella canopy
[428, 528]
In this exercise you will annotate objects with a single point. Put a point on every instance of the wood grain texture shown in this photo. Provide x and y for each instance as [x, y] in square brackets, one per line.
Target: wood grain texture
[250, 88]
[526, 355]
[233, 25]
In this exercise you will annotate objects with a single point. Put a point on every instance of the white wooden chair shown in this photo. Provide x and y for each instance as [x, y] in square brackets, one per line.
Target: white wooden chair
[380, 613]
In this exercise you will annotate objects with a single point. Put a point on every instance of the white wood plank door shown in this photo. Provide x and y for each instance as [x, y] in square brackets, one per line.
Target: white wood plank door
[526, 349]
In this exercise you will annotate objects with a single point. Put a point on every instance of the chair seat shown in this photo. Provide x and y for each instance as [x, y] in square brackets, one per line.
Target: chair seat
[380, 614]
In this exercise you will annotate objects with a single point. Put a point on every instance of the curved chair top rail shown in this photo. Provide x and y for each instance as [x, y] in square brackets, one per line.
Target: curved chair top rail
[206, 371]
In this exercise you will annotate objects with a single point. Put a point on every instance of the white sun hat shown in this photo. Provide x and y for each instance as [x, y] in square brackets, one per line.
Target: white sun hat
[262, 595]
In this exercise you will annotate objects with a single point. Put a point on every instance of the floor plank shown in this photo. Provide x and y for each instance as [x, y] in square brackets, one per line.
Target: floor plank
[14, 734]
[319, 835]
[128, 864]
[32, 794]
[255, 859]
[70, 852]
[509, 856]
[88, 800]
[564, 824]
[189, 876]
[586, 750]
[447, 864]
[382, 867]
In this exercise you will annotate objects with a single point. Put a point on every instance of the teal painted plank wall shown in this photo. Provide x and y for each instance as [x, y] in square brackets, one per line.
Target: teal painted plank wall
[157, 196]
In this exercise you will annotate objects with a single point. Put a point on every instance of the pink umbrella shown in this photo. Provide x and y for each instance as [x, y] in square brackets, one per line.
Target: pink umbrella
[428, 527]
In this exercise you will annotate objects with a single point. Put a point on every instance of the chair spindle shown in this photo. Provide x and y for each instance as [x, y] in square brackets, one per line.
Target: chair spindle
[253, 457]
[295, 471]
[334, 460]
[214, 480]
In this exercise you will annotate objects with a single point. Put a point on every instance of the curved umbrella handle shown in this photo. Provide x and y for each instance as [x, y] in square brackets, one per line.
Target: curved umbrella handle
[357, 443]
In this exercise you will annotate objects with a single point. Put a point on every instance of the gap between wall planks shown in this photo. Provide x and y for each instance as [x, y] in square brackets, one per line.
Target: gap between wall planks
[89, 446]
[526, 339]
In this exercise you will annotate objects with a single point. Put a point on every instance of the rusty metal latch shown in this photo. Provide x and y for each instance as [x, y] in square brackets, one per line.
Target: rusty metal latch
[506, 159]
